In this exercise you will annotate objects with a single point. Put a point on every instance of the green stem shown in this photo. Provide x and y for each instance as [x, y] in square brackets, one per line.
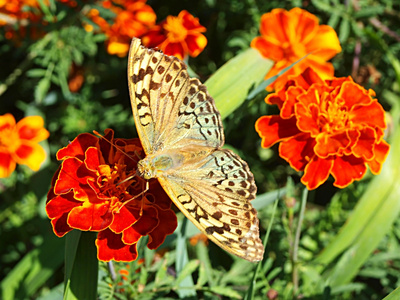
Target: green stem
[295, 275]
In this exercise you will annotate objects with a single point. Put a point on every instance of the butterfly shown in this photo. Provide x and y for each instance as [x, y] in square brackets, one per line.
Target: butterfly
[181, 133]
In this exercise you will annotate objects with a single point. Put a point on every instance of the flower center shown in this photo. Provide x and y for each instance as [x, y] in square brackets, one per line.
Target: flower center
[333, 116]
[114, 181]
[9, 139]
[176, 32]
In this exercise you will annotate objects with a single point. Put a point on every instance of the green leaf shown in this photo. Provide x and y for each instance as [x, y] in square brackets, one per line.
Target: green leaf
[41, 89]
[188, 270]
[225, 291]
[81, 266]
[395, 295]
[182, 259]
[36, 73]
[230, 84]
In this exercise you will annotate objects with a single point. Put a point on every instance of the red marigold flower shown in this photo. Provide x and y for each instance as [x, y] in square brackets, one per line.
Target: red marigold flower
[96, 189]
[133, 19]
[177, 36]
[19, 143]
[287, 36]
[326, 127]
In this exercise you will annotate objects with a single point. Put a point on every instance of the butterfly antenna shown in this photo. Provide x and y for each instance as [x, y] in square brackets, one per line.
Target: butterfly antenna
[133, 198]
[120, 150]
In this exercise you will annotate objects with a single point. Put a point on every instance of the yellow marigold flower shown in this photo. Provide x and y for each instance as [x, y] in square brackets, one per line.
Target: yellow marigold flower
[19, 143]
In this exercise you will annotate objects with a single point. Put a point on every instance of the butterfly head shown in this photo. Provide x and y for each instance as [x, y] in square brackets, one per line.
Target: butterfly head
[146, 169]
[151, 166]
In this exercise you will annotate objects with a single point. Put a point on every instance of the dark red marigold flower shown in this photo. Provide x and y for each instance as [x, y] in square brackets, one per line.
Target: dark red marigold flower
[326, 127]
[95, 189]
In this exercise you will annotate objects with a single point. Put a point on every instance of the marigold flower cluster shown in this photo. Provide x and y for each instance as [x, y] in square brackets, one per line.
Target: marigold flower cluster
[23, 12]
[326, 127]
[179, 36]
[19, 143]
[96, 189]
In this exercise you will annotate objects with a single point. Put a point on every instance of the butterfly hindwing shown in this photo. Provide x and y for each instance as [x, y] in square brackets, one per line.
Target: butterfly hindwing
[215, 194]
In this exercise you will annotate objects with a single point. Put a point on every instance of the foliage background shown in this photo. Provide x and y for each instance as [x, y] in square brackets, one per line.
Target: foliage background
[33, 81]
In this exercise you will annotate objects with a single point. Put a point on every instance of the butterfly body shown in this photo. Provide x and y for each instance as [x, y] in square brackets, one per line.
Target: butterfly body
[181, 132]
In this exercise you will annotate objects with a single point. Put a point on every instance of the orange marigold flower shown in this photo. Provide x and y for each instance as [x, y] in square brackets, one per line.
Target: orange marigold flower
[177, 36]
[19, 143]
[133, 19]
[287, 36]
[96, 189]
[326, 127]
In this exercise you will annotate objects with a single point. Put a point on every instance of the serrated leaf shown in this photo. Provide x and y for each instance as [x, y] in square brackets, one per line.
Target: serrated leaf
[41, 89]
[34, 73]
[188, 269]
[225, 291]
[344, 30]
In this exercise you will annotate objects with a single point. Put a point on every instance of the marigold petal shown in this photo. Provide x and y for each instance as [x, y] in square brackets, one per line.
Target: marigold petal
[31, 128]
[130, 236]
[190, 22]
[316, 172]
[78, 147]
[57, 210]
[124, 218]
[7, 164]
[147, 222]
[297, 150]
[307, 120]
[110, 246]
[273, 129]
[288, 106]
[381, 151]
[7, 121]
[331, 144]
[166, 226]
[118, 48]
[372, 115]
[92, 159]
[307, 78]
[175, 49]
[364, 146]
[60, 205]
[74, 175]
[195, 44]
[324, 69]
[269, 50]
[354, 95]
[325, 44]
[30, 154]
[60, 225]
[90, 216]
[346, 169]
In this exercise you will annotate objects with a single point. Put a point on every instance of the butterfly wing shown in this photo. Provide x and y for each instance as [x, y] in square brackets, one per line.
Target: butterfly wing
[214, 192]
[171, 110]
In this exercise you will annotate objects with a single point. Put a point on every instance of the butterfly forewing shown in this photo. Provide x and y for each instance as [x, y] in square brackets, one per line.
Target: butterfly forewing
[169, 107]
[176, 118]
